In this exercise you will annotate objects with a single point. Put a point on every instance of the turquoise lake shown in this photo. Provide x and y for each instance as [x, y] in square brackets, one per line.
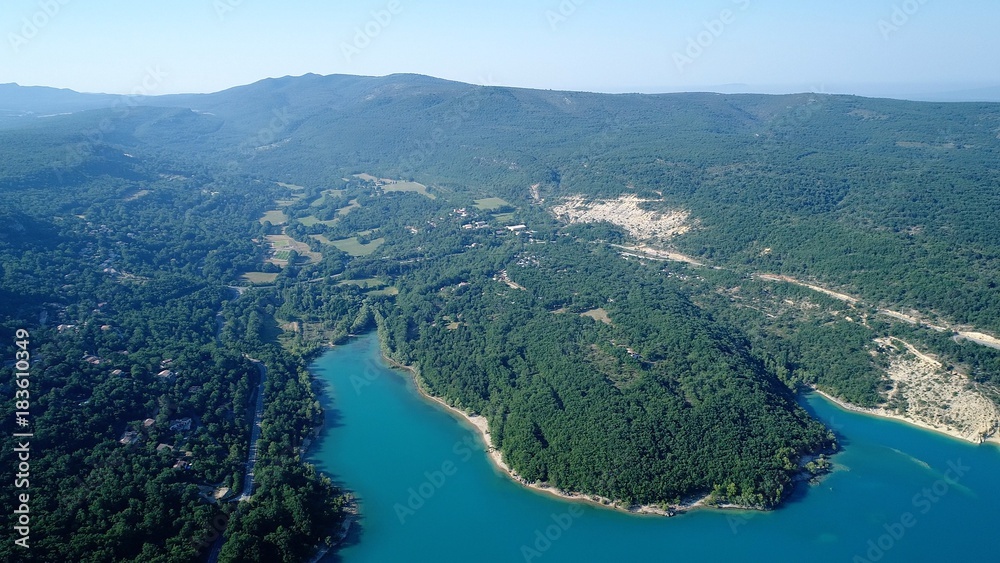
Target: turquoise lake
[427, 492]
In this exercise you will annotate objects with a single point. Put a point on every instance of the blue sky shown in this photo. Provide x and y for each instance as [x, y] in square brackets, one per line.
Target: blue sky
[855, 46]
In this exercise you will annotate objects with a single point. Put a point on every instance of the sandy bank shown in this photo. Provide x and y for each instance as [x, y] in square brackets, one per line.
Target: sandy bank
[884, 413]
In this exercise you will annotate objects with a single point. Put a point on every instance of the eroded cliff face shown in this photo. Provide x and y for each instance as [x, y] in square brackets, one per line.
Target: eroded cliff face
[925, 392]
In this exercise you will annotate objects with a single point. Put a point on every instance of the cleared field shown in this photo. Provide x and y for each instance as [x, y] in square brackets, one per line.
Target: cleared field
[504, 217]
[286, 202]
[387, 291]
[412, 187]
[259, 278]
[312, 220]
[598, 315]
[298, 194]
[351, 207]
[367, 283]
[327, 193]
[490, 203]
[354, 247]
[282, 245]
[275, 216]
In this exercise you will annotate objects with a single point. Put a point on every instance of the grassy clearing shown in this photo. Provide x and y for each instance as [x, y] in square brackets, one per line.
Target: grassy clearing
[354, 247]
[327, 194]
[366, 283]
[296, 197]
[351, 207]
[490, 203]
[259, 278]
[504, 217]
[411, 187]
[313, 220]
[298, 193]
[383, 292]
[598, 315]
[275, 216]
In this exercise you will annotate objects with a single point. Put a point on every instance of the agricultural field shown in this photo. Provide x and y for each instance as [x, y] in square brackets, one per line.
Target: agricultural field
[327, 193]
[355, 248]
[298, 193]
[490, 203]
[313, 220]
[282, 245]
[389, 291]
[259, 278]
[411, 187]
[367, 283]
[504, 218]
[351, 207]
[275, 216]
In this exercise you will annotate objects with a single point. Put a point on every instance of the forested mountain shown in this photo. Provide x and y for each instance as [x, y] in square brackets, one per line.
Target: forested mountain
[912, 183]
[631, 288]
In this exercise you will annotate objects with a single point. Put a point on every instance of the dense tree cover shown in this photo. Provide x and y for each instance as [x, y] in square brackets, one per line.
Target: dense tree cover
[120, 280]
[659, 405]
[646, 382]
[892, 199]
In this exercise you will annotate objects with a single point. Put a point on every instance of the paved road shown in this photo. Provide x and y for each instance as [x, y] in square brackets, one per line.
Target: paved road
[248, 480]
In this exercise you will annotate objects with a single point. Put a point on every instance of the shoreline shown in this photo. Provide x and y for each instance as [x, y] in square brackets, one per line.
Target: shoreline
[883, 413]
[351, 510]
[481, 425]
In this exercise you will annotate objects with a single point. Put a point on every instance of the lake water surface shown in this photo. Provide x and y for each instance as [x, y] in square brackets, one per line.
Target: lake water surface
[427, 492]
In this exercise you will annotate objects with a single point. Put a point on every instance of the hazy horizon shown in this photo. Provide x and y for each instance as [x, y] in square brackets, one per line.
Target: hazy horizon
[911, 92]
[906, 49]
